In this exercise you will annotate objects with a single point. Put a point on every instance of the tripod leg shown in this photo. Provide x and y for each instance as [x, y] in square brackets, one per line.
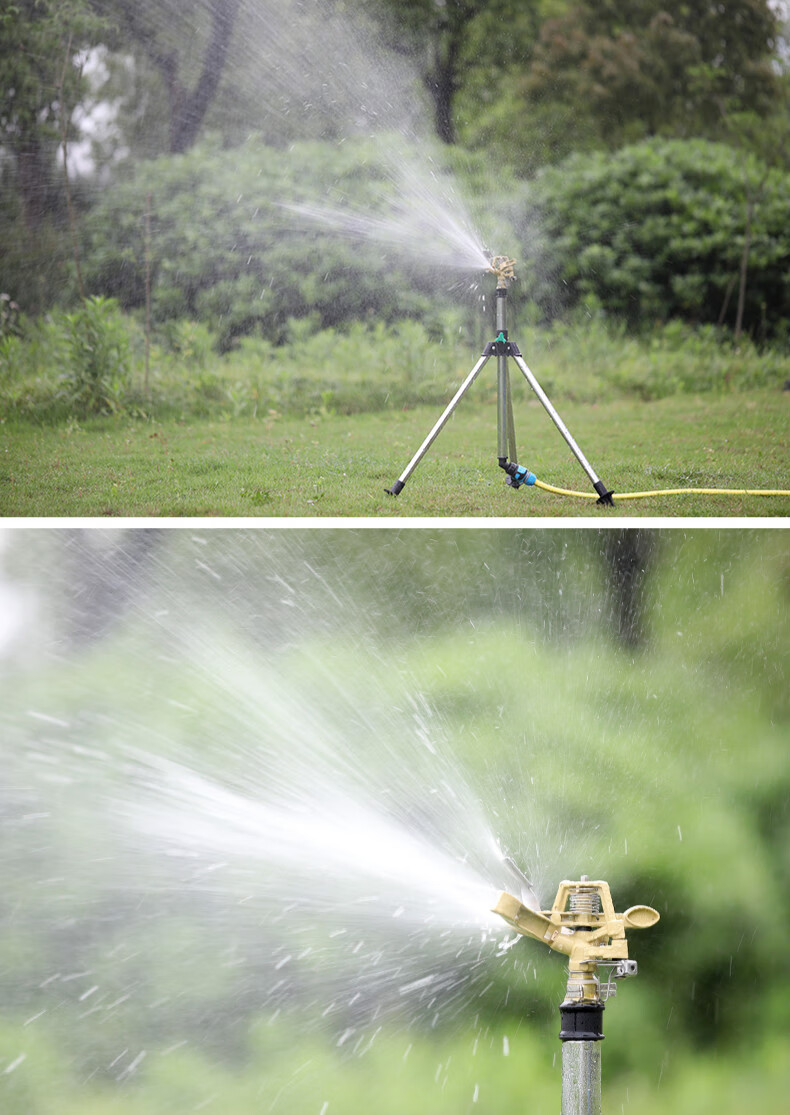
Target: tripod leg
[432, 436]
[605, 496]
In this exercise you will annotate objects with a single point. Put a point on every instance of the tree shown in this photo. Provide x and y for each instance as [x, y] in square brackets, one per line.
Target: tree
[443, 37]
[635, 71]
[43, 44]
[40, 41]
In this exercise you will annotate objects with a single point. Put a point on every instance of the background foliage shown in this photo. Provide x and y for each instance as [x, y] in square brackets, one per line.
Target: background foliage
[656, 231]
[227, 250]
[222, 113]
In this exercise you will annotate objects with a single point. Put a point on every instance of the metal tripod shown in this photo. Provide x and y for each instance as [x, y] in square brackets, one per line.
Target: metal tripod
[503, 349]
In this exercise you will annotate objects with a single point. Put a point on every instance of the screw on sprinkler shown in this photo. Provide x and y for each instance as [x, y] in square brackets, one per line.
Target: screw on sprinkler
[582, 924]
[504, 268]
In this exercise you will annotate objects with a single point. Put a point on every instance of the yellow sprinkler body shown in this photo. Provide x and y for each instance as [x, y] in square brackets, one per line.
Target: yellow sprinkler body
[582, 925]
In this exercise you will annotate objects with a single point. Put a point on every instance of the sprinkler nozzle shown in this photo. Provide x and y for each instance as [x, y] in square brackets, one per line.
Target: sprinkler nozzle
[504, 268]
[582, 924]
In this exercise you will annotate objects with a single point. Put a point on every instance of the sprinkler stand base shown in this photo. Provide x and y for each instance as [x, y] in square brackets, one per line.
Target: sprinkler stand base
[504, 350]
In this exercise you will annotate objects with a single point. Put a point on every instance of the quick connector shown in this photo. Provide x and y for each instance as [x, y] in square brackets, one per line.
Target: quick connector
[517, 474]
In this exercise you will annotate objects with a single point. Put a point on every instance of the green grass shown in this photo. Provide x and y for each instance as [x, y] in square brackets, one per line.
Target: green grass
[340, 465]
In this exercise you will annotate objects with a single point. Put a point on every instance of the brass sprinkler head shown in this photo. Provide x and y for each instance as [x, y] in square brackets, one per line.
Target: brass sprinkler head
[504, 269]
[582, 924]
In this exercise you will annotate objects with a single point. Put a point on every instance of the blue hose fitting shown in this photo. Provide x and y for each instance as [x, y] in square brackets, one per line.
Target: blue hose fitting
[518, 475]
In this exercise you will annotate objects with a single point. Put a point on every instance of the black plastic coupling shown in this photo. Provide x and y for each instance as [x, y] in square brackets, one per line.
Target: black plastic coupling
[396, 488]
[605, 496]
[581, 1021]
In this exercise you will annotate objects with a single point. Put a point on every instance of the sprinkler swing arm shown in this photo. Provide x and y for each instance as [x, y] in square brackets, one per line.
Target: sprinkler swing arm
[582, 925]
[504, 349]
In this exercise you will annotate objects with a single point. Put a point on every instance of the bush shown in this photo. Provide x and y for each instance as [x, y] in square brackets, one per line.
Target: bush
[9, 316]
[656, 230]
[365, 368]
[227, 251]
[98, 369]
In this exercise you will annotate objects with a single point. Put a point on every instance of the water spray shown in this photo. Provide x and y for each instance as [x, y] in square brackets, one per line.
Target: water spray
[582, 925]
[504, 349]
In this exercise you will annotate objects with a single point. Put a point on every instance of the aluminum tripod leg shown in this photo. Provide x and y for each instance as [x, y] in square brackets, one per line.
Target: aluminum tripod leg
[432, 436]
[598, 484]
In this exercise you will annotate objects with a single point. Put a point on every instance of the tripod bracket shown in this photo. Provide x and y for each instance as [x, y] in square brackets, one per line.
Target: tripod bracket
[501, 346]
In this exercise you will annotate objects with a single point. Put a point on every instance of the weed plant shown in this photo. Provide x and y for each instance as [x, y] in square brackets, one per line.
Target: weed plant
[66, 366]
[97, 372]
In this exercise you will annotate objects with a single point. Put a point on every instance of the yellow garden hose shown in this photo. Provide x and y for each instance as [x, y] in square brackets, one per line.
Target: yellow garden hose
[668, 492]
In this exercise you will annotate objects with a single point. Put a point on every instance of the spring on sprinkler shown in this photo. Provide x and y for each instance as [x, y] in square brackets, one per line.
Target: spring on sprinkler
[586, 900]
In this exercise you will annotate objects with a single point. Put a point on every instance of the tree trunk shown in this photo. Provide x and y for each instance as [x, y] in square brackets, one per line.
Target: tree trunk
[188, 109]
[628, 554]
[442, 80]
[103, 583]
[747, 245]
[442, 86]
[32, 176]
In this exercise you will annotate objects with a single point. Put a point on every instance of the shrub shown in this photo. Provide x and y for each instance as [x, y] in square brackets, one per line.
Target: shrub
[9, 316]
[226, 250]
[99, 363]
[656, 230]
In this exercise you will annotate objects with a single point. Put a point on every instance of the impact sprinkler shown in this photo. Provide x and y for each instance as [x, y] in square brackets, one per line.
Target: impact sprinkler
[582, 925]
[505, 270]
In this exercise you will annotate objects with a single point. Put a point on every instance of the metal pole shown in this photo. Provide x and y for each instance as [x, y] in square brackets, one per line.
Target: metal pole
[581, 1078]
[448, 410]
[581, 1032]
[503, 386]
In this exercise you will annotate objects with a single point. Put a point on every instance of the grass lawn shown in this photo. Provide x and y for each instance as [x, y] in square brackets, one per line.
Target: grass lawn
[340, 466]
